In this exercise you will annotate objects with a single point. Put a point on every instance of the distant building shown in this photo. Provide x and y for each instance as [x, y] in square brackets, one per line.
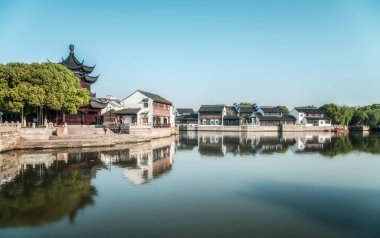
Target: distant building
[310, 116]
[271, 116]
[184, 111]
[244, 112]
[108, 113]
[148, 108]
[211, 115]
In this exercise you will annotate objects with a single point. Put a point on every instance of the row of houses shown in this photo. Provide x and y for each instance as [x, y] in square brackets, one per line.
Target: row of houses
[236, 115]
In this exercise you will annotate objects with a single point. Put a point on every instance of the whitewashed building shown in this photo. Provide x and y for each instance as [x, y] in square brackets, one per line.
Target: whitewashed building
[310, 116]
[149, 109]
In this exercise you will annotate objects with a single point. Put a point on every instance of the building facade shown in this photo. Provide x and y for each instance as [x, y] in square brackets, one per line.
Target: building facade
[271, 116]
[310, 116]
[211, 115]
[153, 109]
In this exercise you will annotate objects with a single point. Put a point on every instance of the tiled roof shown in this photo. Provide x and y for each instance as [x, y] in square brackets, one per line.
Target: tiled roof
[185, 110]
[231, 117]
[309, 110]
[155, 97]
[212, 108]
[128, 111]
[274, 118]
[270, 109]
[246, 109]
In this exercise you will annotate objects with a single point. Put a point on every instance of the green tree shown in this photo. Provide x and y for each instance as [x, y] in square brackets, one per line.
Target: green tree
[283, 109]
[340, 115]
[50, 85]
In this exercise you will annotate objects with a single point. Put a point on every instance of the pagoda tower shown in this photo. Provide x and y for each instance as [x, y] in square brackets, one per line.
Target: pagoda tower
[90, 112]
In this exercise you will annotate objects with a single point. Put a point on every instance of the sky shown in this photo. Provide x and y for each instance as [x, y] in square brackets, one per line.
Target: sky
[269, 52]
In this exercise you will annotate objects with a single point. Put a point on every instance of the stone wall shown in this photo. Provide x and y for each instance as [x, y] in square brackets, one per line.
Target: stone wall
[9, 140]
[253, 128]
[36, 133]
[295, 128]
[152, 133]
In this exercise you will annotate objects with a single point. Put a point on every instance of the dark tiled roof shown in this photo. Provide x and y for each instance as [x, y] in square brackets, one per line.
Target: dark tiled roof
[246, 109]
[231, 118]
[274, 118]
[128, 111]
[309, 110]
[270, 110]
[79, 69]
[155, 97]
[212, 108]
[98, 103]
[185, 110]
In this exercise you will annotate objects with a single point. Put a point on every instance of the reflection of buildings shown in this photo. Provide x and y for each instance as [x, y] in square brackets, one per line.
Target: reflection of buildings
[142, 162]
[211, 144]
[250, 143]
[311, 142]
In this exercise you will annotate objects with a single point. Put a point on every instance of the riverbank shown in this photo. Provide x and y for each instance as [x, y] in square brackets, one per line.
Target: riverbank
[74, 137]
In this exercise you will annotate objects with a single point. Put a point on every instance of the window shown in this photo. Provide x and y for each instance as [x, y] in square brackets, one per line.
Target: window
[145, 104]
[216, 122]
[212, 122]
[204, 121]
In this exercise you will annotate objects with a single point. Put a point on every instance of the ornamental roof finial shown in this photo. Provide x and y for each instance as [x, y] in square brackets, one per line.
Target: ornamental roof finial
[71, 48]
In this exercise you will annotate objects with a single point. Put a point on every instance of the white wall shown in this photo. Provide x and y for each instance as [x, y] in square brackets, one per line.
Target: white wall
[136, 101]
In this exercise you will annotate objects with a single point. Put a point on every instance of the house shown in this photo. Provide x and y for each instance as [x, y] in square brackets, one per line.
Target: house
[186, 117]
[271, 116]
[108, 113]
[184, 111]
[211, 115]
[187, 120]
[310, 116]
[244, 112]
[148, 108]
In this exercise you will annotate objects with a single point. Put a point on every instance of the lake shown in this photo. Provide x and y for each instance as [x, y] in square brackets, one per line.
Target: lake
[197, 185]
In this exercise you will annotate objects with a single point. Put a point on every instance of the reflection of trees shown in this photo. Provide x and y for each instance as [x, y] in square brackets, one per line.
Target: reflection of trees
[353, 142]
[338, 145]
[41, 196]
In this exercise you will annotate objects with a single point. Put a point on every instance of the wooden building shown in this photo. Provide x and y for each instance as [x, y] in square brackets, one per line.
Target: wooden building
[271, 116]
[87, 114]
[211, 115]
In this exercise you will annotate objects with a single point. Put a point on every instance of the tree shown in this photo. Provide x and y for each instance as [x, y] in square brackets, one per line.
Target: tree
[245, 104]
[283, 109]
[50, 85]
[340, 115]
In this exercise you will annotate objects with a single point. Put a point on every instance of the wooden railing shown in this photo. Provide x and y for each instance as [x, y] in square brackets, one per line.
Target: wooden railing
[9, 127]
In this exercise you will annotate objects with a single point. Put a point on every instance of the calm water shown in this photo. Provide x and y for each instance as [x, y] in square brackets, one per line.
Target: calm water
[197, 185]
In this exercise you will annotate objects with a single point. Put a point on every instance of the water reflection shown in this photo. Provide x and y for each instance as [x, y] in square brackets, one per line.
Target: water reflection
[142, 162]
[39, 187]
[246, 144]
[43, 187]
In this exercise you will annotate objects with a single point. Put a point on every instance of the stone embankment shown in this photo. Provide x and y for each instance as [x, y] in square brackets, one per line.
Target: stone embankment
[82, 137]
[9, 136]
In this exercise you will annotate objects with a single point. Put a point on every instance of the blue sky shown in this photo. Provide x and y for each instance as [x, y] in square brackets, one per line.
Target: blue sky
[271, 52]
